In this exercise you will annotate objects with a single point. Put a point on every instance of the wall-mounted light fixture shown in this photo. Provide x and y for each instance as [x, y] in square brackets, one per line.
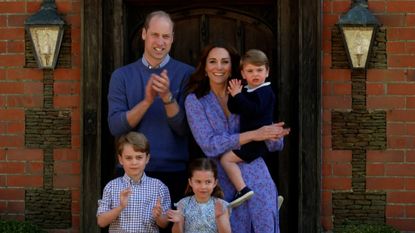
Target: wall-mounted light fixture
[358, 27]
[45, 29]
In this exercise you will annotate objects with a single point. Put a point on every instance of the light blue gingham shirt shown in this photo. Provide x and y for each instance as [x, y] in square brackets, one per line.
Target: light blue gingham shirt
[137, 217]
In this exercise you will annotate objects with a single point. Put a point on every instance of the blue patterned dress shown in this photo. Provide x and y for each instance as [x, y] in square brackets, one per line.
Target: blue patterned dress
[217, 134]
[199, 217]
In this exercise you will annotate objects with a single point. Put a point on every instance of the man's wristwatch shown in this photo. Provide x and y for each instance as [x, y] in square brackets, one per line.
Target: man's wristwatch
[170, 100]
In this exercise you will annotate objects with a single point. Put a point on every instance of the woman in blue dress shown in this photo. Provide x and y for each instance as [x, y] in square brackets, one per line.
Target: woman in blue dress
[216, 131]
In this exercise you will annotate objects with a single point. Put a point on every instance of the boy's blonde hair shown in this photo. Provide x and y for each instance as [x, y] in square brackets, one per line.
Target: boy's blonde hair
[255, 57]
[137, 140]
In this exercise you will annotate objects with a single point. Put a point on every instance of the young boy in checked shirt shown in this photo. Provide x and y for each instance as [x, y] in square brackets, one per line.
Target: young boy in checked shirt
[134, 202]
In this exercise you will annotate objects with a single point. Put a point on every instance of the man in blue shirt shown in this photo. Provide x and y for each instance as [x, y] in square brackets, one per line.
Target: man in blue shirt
[147, 96]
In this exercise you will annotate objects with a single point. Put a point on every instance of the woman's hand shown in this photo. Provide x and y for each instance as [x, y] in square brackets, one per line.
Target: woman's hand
[271, 132]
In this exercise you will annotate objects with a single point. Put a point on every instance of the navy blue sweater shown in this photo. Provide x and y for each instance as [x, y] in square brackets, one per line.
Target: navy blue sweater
[167, 136]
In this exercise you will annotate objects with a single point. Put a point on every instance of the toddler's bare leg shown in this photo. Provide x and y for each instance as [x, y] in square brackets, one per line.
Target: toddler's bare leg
[229, 163]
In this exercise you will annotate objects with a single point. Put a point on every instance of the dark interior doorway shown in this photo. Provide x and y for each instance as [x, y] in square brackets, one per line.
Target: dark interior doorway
[112, 40]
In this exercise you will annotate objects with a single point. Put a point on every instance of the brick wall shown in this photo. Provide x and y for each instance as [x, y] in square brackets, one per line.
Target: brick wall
[40, 122]
[377, 175]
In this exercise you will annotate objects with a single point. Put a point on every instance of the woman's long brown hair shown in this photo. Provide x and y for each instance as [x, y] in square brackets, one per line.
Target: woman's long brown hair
[199, 82]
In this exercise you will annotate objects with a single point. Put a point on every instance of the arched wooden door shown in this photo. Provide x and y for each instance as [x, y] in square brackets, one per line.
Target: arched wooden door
[196, 27]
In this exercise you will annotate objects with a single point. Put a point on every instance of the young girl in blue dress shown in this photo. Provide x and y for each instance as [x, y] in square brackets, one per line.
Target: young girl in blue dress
[204, 210]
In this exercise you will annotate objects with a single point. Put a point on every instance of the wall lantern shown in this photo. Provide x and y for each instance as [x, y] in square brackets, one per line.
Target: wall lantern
[358, 27]
[45, 29]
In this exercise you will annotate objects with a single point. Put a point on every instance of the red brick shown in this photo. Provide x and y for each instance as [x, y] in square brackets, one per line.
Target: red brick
[11, 88]
[410, 102]
[326, 169]
[411, 129]
[25, 181]
[327, 223]
[76, 195]
[342, 170]
[342, 89]
[384, 183]
[11, 114]
[24, 154]
[16, 20]
[397, 47]
[11, 60]
[385, 156]
[12, 167]
[26, 101]
[337, 102]
[410, 20]
[401, 60]
[76, 141]
[66, 155]
[12, 7]
[385, 102]
[336, 183]
[33, 7]
[73, 20]
[3, 47]
[395, 211]
[400, 170]
[34, 168]
[11, 194]
[375, 89]
[410, 156]
[327, 88]
[67, 88]
[377, 6]
[76, 126]
[393, 20]
[67, 74]
[341, 6]
[11, 141]
[336, 75]
[76, 35]
[401, 33]
[410, 184]
[3, 21]
[33, 88]
[410, 47]
[401, 197]
[401, 89]
[406, 225]
[400, 6]
[67, 101]
[11, 33]
[2, 181]
[67, 181]
[25, 74]
[410, 211]
[14, 207]
[375, 170]
[330, 20]
[68, 168]
[396, 128]
[337, 156]
[386, 75]
[401, 115]
[15, 46]
[400, 142]
[64, 7]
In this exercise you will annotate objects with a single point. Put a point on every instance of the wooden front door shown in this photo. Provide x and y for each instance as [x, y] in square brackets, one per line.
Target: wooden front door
[113, 39]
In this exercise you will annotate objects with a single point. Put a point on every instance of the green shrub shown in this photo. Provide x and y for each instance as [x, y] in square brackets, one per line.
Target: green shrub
[368, 228]
[19, 227]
